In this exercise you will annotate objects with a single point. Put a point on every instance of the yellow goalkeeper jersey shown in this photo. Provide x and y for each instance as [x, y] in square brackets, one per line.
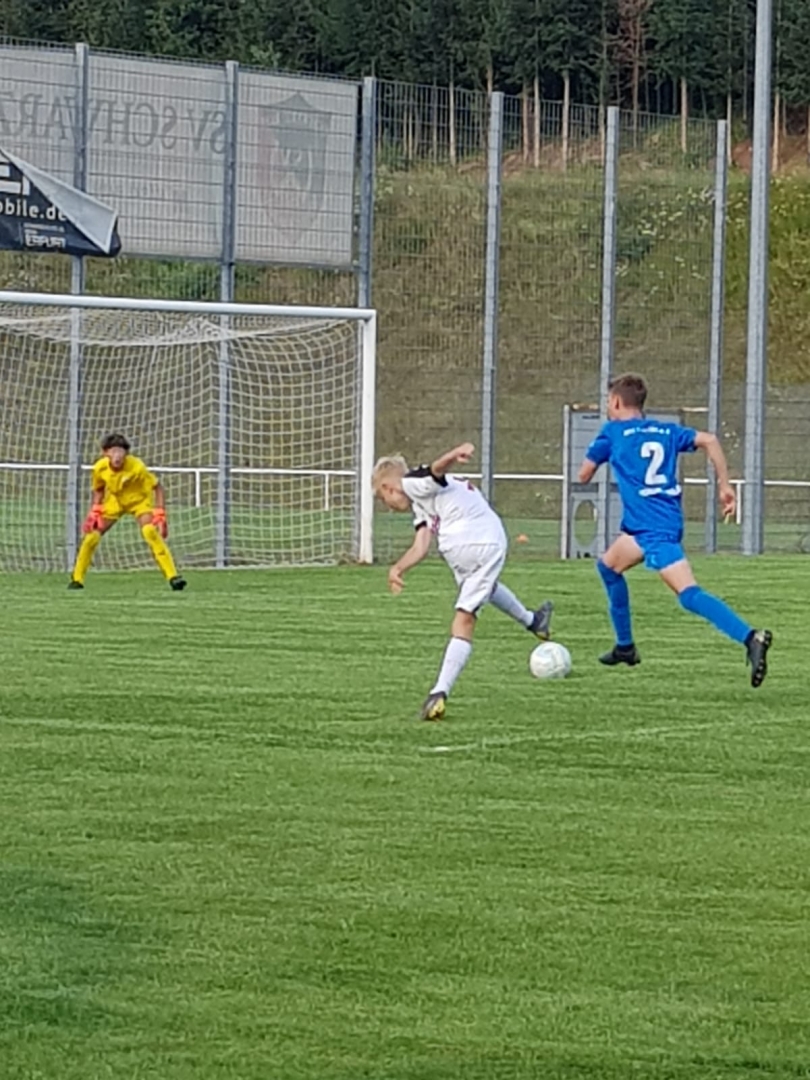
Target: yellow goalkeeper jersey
[127, 489]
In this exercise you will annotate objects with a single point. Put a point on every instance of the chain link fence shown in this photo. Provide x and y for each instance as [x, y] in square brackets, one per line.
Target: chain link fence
[429, 239]
[787, 417]
[664, 275]
[550, 306]
[429, 258]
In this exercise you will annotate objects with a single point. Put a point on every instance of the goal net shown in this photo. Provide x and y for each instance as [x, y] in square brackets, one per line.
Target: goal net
[258, 420]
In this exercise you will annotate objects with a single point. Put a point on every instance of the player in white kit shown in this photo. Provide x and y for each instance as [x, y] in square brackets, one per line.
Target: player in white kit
[471, 540]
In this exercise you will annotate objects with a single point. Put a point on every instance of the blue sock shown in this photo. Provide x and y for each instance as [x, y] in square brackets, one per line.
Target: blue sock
[709, 607]
[619, 603]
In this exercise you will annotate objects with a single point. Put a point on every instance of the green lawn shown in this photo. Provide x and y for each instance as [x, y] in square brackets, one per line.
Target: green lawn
[229, 850]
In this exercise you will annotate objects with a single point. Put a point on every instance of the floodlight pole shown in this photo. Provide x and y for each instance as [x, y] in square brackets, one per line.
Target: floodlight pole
[757, 349]
[608, 337]
[491, 287]
[716, 329]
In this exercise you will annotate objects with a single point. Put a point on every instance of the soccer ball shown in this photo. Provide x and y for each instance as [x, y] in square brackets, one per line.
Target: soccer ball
[550, 661]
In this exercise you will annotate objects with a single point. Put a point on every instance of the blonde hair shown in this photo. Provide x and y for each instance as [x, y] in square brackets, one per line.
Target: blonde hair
[390, 465]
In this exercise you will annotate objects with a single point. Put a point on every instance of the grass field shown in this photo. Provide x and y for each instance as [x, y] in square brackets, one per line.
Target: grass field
[229, 851]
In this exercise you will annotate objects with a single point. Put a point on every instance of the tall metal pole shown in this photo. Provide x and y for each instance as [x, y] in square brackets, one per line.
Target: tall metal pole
[717, 312]
[364, 438]
[491, 273]
[226, 295]
[756, 360]
[77, 284]
[608, 341]
[367, 171]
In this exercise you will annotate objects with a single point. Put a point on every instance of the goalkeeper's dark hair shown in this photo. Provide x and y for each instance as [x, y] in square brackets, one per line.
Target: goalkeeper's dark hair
[116, 439]
[631, 390]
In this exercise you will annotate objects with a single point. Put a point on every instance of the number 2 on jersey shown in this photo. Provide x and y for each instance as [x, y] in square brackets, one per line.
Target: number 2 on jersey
[656, 451]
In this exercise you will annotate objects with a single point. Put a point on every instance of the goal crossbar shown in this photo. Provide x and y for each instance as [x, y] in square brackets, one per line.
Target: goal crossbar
[188, 307]
[289, 387]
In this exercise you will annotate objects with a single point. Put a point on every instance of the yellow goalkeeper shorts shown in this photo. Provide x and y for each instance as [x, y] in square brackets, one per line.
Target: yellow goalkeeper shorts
[113, 510]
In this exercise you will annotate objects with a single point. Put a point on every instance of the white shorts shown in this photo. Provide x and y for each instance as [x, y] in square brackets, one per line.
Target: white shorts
[476, 568]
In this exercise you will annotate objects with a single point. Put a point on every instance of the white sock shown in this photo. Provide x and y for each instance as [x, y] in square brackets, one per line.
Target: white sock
[456, 656]
[506, 601]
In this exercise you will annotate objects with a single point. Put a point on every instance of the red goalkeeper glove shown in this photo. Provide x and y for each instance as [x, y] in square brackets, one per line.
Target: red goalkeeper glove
[93, 521]
[160, 522]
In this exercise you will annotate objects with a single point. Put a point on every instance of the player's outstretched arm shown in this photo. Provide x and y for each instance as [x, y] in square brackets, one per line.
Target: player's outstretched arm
[415, 553]
[705, 440]
[458, 455]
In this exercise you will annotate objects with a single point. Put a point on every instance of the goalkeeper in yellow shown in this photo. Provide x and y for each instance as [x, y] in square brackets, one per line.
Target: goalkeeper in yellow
[122, 484]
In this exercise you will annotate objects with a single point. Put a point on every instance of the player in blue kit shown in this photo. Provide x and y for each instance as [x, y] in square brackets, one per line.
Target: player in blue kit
[643, 453]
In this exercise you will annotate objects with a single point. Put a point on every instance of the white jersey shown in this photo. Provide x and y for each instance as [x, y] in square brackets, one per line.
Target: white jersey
[454, 510]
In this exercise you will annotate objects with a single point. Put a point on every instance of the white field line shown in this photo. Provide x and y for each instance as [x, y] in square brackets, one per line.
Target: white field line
[660, 731]
[156, 730]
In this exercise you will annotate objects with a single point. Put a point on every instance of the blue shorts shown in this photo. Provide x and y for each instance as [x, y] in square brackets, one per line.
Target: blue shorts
[659, 551]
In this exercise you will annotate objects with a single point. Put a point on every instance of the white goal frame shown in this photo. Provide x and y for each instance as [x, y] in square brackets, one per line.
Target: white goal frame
[366, 320]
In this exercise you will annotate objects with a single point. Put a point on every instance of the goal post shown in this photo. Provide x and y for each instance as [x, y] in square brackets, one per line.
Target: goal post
[258, 419]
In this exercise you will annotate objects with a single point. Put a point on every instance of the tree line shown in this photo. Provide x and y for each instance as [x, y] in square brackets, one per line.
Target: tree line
[664, 56]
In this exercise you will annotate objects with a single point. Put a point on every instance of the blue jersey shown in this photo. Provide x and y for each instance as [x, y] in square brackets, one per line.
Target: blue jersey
[643, 454]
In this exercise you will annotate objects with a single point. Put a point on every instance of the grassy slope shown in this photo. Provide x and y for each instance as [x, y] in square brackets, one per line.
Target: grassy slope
[430, 232]
[428, 265]
[234, 855]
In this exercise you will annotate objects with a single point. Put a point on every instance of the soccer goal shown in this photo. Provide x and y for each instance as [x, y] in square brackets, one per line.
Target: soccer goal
[258, 419]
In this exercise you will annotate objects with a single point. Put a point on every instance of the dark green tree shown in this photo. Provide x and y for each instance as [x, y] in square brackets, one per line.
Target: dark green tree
[473, 33]
[733, 42]
[682, 41]
[792, 79]
[44, 20]
[369, 37]
[572, 43]
[591, 50]
[108, 23]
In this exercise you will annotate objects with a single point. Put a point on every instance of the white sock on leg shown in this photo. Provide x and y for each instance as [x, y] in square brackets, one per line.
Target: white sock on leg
[456, 656]
[506, 601]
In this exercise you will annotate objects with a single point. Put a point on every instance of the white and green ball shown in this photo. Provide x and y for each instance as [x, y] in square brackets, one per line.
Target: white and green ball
[551, 660]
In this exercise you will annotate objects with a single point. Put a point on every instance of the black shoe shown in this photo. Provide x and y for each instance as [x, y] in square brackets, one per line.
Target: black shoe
[757, 645]
[74, 584]
[177, 584]
[621, 654]
[540, 625]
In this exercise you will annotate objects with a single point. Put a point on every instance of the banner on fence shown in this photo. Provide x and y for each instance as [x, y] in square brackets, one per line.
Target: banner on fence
[39, 213]
[156, 140]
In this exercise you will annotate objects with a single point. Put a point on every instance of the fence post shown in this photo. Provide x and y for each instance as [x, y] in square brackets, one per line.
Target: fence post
[77, 285]
[367, 172]
[756, 357]
[608, 341]
[226, 295]
[716, 328]
[491, 268]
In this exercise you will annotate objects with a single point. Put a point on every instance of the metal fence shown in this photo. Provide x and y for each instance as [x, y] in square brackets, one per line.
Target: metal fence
[578, 296]
[515, 251]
